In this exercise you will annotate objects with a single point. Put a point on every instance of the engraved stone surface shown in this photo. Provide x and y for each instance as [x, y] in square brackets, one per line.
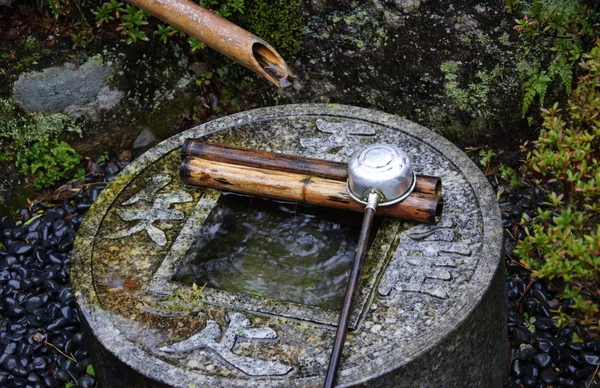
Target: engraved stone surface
[430, 304]
[239, 328]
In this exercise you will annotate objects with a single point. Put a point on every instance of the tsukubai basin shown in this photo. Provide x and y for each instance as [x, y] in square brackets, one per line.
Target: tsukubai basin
[429, 311]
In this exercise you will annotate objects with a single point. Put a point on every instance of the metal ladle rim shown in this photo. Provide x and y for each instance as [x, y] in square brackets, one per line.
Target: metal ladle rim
[384, 203]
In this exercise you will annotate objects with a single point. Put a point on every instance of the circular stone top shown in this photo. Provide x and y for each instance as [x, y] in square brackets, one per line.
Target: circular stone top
[419, 282]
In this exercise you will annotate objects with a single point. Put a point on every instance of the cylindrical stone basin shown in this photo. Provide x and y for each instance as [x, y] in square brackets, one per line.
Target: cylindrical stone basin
[429, 311]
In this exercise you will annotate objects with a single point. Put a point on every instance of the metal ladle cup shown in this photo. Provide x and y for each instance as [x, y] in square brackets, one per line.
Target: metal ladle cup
[378, 175]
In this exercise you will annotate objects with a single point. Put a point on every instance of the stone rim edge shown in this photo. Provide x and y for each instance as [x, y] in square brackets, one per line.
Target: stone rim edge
[88, 301]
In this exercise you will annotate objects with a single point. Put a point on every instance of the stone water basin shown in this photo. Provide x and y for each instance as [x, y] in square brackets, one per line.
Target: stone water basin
[166, 300]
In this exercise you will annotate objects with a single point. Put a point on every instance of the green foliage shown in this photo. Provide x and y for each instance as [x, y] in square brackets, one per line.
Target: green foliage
[69, 384]
[568, 27]
[90, 370]
[32, 144]
[204, 78]
[195, 44]
[48, 161]
[485, 158]
[476, 98]
[563, 241]
[510, 175]
[278, 22]
[529, 322]
[164, 32]
[132, 23]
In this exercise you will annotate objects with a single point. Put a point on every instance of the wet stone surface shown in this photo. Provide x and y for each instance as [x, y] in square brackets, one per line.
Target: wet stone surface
[429, 295]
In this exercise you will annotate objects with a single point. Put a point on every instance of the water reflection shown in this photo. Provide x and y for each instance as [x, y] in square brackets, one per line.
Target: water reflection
[279, 250]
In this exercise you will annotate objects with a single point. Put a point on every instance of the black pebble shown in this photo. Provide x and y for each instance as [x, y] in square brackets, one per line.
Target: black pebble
[539, 295]
[591, 358]
[513, 383]
[81, 366]
[19, 248]
[517, 368]
[543, 345]
[51, 382]
[557, 354]
[565, 382]
[529, 381]
[62, 375]
[542, 360]
[513, 292]
[580, 374]
[576, 346]
[548, 376]
[521, 335]
[544, 309]
[7, 222]
[38, 363]
[593, 346]
[544, 323]
[86, 381]
[526, 352]
[514, 318]
[48, 219]
[531, 370]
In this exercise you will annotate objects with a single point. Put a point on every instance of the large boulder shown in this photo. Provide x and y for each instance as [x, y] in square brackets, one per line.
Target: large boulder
[448, 65]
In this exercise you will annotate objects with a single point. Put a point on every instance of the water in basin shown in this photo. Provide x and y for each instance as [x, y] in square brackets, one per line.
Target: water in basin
[274, 249]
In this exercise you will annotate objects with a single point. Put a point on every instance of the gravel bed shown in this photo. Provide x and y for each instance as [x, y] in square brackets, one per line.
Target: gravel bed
[542, 355]
[41, 343]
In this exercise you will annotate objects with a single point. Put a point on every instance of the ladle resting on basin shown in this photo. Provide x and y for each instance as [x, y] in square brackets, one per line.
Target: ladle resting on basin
[378, 175]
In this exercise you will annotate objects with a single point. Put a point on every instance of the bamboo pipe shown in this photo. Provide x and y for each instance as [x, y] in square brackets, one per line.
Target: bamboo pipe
[288, 163]
[307, 189]
[221, 35]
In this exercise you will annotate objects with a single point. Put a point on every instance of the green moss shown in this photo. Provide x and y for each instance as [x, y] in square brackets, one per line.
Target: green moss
[477, 98]
[165, 114]
[27, 128]
[30, 140]
[279, 22]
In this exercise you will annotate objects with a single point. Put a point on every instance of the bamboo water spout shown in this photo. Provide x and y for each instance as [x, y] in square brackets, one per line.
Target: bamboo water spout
[221, 35]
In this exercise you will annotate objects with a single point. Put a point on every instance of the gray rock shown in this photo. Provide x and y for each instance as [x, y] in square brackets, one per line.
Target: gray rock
[144, 139]
[68, 88]
[448, 65]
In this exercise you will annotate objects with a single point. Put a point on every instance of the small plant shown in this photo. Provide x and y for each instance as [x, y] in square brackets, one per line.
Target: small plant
[567, 27]
[485, 158]
[130, 24]
[32, 145]
[279, 22]
[195, 44]
[48, 161]
[529, 322]
[204, 78]
[510, 175]
[164, 32]
[90, 370]
[563, 241]
[69, 384]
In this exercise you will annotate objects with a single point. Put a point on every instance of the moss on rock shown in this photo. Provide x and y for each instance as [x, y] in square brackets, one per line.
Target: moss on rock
[279, 22]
